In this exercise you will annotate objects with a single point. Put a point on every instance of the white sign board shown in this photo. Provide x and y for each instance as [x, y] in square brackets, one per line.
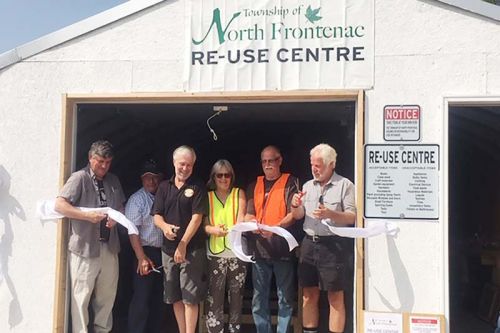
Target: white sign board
[236, 45]
[402, 181]
[424, 324]
[377, 322]
[402, 122]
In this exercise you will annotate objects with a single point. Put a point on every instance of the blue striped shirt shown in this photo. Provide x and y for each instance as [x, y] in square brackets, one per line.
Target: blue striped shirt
[138, 211]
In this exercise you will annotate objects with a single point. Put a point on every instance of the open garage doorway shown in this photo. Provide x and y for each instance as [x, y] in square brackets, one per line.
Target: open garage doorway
[143, 129]
[474, 215]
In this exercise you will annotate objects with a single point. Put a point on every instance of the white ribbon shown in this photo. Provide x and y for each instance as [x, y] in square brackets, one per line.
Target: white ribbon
[374, 229]
[46, 211]
[237, 230]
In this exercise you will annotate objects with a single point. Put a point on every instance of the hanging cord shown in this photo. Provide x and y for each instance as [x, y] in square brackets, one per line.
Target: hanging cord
[209, 127]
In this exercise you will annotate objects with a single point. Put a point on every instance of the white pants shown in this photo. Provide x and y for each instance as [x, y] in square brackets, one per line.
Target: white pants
[98, 276]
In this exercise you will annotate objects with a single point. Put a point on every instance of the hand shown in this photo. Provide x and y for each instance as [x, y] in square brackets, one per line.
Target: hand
[110, 223]
[144, 266]
[321, 213]
[170, 231]
[95, 217]
[266, 234]
[220, 230]
[297, 199]
[180, 253]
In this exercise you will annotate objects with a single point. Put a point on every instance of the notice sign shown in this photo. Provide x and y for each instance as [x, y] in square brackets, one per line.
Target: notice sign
[424, 325]
[401, 181]
[402, 123]
[377, 322]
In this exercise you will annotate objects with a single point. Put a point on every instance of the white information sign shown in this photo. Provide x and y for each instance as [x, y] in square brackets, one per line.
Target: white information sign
[402, 181]
[378, 322]
[424, 324]
[236, 45]
[402, 123]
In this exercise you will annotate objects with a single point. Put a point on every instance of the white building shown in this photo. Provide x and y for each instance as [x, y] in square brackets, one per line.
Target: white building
[134, 75]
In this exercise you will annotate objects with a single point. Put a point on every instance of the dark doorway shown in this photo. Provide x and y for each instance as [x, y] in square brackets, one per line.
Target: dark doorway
[142, 131]
[474, 215]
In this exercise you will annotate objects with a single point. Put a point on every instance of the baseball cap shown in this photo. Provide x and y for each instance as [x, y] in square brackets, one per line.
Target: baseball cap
[149, 166]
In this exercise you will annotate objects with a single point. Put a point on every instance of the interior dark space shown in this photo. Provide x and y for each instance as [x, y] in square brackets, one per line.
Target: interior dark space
[474, 214]
[143, 131]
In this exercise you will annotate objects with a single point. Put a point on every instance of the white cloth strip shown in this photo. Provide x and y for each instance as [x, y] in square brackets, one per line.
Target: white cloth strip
[374, 229]
[45, 210]
[237, 230]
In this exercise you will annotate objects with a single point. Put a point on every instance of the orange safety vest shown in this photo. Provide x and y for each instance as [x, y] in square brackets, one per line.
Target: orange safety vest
[274, 209]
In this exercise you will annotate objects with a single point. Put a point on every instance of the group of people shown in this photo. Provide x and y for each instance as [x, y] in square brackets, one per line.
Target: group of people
[183, 254]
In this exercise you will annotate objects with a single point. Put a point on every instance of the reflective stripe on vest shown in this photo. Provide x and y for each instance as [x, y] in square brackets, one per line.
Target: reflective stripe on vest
[222, 213]
[274, 209]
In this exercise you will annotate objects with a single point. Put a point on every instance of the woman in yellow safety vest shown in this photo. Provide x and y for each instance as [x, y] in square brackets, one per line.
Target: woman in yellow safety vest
[227, 206]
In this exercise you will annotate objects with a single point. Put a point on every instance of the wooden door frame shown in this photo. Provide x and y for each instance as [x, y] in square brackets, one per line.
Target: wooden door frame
[68, 133]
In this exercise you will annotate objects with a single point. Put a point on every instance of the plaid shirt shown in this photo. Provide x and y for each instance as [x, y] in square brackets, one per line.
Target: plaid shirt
[138, 211]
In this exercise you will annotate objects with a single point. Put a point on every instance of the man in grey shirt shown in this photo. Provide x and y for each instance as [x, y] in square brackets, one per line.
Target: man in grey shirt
[93, 243]
[328, 198]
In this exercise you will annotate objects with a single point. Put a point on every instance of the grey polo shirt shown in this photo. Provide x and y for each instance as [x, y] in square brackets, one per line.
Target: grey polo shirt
[80, 191]
[338, 194]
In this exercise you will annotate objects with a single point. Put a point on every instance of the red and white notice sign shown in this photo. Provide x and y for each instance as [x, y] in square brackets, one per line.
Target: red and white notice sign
[424, 324]
[402, 122]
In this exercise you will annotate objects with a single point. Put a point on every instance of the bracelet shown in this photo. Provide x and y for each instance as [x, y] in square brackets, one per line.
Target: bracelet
[293, 206]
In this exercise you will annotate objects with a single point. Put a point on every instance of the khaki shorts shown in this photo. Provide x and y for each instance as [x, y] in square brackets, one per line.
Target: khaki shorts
[186, 282]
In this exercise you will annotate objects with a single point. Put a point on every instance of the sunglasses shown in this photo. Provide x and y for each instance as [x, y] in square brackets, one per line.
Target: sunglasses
[225, 175]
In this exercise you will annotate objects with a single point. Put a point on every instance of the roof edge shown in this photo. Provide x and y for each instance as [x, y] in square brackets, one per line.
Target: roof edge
[482, 8]
[74, 30]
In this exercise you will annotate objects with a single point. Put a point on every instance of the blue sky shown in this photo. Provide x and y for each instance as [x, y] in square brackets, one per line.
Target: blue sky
[22, 21]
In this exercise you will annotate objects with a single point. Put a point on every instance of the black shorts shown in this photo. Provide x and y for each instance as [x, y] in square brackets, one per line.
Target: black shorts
[323, 263]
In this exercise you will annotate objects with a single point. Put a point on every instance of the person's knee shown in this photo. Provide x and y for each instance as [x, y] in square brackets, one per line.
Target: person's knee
[336, 299]
[310, 295]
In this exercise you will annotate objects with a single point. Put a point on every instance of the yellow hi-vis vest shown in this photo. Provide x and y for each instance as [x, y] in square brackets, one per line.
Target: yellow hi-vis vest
[222, 213]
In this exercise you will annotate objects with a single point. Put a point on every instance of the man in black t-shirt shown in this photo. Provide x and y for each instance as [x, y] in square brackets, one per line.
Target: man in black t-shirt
[178, 209]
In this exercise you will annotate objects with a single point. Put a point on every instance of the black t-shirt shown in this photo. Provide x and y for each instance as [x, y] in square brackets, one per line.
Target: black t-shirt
[177, 207]
[275, 247]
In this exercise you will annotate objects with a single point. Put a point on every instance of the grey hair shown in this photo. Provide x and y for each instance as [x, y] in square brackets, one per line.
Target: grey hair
[215, 169]
[182, 150]
[326, 152]
[101, 148]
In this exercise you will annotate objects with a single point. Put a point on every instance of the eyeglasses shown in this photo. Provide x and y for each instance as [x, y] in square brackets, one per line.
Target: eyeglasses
[270, 161]
[225, 175]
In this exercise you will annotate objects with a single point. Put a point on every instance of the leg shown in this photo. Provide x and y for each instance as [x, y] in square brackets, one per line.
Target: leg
[217, 268]
[105, 290]
[146, 289]
[191, 317]
[261, 277]
[83, 273]
[236, 275]
[284, 273]
[180, 316]
[156, 304]
[310, 307]
[337, 311]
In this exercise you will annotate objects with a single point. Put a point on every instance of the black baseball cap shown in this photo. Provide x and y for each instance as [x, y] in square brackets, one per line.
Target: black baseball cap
[150, 167]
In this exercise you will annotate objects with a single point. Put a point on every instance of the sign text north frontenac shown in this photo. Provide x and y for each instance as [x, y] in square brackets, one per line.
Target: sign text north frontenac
[323, 44]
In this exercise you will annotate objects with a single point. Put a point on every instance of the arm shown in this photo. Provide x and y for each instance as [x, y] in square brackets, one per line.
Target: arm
[194, 224]
[297, 207]
[63, 207]
[143, 262]
[242, 204]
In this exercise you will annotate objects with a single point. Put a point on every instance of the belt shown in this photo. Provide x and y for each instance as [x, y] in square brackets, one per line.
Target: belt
[318, 239]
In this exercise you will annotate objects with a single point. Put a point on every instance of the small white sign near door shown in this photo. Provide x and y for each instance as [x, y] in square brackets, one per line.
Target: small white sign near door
[379, 322]
[402, 122]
